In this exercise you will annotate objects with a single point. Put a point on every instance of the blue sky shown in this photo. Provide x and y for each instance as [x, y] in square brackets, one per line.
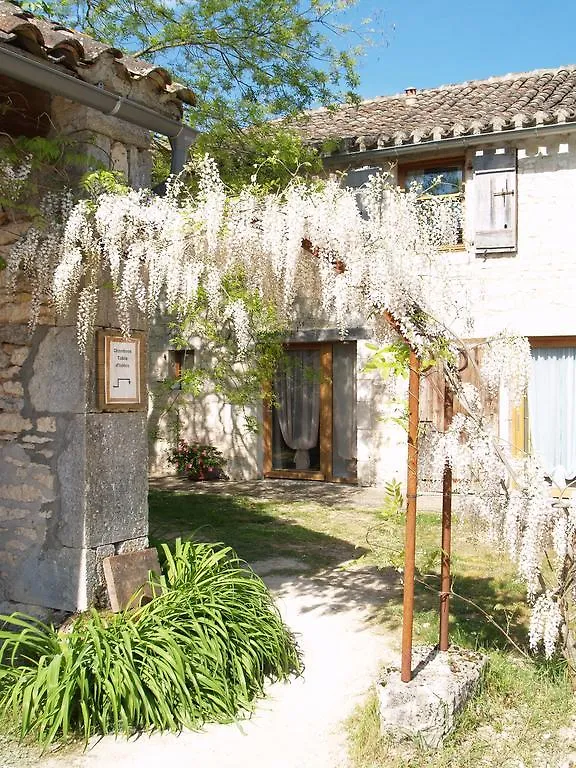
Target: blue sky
[425, 44]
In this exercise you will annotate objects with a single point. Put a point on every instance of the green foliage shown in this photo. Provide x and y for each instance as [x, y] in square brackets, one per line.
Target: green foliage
[393, 500]
[200, 651]
[197, 461]
[102, 182]
[53, 163]
[391, 360]
[241, 377]
[269, 155]
[242, 58]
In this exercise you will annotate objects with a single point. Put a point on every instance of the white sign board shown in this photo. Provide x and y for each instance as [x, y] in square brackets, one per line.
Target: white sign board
[122, 370]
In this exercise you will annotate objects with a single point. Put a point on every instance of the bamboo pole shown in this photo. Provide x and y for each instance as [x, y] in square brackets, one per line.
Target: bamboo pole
[410, 534]
[446, 530]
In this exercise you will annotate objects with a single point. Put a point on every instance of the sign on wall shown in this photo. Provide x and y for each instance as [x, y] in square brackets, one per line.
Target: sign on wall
[120, 372]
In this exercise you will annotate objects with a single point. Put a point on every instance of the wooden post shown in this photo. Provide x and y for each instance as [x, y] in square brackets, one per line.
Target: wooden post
[446, 530]
[410, 538]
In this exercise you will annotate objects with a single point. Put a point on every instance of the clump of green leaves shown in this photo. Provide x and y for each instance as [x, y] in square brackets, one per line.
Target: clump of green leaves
[200, 651]
[51, 164]
[240, 376]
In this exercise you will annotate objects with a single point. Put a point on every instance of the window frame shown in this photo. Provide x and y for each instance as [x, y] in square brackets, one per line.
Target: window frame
[520, 414]
[447, 162]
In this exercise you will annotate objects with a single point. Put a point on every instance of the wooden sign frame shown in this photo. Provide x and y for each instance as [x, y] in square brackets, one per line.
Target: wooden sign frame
[114, 353]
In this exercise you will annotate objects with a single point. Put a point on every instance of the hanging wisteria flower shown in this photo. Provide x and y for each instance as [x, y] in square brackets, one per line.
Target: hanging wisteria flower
[546, 623]
[309, 249]
[506, 360]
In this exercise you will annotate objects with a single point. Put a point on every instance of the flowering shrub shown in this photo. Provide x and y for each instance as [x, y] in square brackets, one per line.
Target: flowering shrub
[313, 242]
[197, 461]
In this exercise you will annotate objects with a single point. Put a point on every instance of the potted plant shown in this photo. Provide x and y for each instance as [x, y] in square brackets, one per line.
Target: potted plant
[198, 461]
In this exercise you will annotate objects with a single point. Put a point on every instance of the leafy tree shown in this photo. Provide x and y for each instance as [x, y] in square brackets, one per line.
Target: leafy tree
[244, 59]
[269, 155]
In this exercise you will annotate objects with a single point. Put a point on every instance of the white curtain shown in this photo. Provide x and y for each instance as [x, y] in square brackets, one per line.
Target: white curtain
[298, 391]
[552, 409]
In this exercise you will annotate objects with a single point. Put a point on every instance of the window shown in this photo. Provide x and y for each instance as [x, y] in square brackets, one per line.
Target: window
[439, 180]
[552, 406]
[442, 181]
[179, 360]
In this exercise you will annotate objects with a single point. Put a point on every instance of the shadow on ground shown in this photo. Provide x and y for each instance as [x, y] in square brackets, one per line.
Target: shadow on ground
[295, 559]
[291, 557]
[244, 524]
[328, 494]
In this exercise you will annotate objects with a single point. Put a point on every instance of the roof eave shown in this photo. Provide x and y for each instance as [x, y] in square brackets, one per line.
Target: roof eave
[446, 145]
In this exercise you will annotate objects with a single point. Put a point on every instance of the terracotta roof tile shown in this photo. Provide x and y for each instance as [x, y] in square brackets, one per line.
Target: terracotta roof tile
[75, 50]
[499, 103]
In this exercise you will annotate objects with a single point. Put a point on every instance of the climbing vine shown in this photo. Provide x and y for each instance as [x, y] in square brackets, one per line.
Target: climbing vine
[223, 260]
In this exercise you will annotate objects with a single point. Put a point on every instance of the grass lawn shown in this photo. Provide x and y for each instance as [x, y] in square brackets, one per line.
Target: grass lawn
[521, 716]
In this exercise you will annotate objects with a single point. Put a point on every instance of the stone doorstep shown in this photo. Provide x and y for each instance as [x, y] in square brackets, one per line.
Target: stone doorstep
[425, 709]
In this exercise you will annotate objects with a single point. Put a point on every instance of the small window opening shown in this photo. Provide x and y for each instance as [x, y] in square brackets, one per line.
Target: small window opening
[180, 360]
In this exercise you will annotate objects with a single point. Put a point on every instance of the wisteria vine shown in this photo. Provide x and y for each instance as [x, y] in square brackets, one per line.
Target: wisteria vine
[158, 251]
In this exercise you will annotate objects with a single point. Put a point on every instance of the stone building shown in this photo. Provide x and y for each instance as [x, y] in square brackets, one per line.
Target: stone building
[506, 151]
[73, 476]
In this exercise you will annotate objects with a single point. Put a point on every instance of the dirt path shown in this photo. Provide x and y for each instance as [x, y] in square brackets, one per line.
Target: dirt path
[300, 724]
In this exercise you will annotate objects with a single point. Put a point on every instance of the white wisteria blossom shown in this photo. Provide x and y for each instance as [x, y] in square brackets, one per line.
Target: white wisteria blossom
[154, 249]
[13, 178]
[313, 246]
[507, 361]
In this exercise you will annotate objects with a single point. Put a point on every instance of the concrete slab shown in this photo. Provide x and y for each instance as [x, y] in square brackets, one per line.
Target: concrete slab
[425, 708]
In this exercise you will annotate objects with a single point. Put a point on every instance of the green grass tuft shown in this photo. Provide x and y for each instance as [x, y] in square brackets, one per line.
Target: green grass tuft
[200, 651]
[518, 717]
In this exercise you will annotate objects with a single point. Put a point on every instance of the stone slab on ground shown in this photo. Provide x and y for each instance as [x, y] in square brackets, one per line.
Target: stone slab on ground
[425, 708]
[127, 574]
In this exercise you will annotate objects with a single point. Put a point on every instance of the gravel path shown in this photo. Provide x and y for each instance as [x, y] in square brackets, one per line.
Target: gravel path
[300, 724]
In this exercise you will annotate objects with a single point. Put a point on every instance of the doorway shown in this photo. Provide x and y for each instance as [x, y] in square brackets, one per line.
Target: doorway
[310, 431]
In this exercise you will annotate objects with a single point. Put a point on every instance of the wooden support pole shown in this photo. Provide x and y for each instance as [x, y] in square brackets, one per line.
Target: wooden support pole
[410, 538]
[445, 584]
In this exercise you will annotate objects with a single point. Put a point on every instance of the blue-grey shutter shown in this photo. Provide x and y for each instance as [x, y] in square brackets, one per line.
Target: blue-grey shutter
[496, 202]
[356, 179]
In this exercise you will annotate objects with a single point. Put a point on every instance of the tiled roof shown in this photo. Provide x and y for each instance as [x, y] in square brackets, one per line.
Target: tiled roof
[76, 51]
[542, 97]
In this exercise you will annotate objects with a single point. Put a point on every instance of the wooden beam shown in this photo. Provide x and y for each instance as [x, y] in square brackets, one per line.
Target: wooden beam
[410, 534]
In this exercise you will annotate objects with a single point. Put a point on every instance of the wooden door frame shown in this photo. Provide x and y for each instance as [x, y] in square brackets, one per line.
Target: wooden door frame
[325, 432]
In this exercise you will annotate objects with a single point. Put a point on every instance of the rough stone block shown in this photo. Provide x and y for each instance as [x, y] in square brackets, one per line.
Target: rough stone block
[127, 575]
[54, 577]
[426, 707]
[116, 478]
[132, 545]
[13, 422]
[58, 381]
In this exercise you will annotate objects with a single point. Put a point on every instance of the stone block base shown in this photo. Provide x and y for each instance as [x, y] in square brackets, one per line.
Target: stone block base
[425, 708]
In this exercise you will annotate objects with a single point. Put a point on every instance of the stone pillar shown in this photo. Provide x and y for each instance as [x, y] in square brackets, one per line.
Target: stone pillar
[73, 480]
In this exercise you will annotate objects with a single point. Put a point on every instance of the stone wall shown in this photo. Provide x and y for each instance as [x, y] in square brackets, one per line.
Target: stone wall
[73, 479]
[174, 414]
[531, 291]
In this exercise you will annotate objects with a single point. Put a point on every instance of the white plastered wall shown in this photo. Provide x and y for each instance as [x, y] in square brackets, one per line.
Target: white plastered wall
[531, 292]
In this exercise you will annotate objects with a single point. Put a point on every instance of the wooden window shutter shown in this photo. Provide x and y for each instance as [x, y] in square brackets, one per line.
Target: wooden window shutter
[496, 202]
[432, 398]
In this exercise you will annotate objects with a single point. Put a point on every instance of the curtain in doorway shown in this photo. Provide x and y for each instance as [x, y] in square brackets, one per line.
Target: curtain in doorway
[298, 390]
[552, 409]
